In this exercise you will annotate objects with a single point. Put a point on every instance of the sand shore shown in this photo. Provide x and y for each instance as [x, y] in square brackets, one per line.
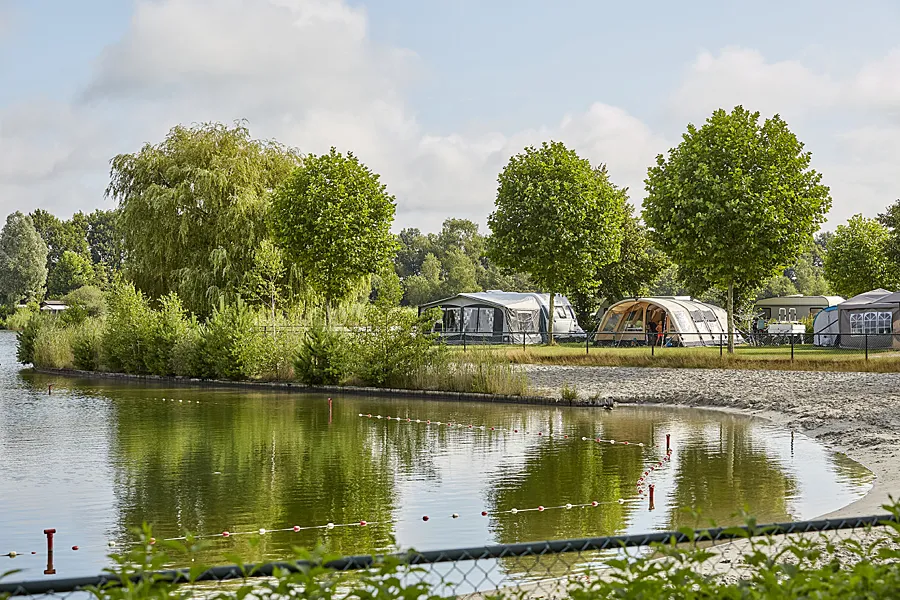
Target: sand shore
[854, 413]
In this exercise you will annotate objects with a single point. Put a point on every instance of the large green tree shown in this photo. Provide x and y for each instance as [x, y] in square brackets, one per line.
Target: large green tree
[333, 217]
[857, 259]
[735, 202]
[194, 209]
[104, 239]
[557, 218]
[61, 236]
[639, 265]
[72, 271]
[23, 260]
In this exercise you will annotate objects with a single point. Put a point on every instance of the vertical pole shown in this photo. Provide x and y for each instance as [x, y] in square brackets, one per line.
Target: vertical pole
[652, 489]
[464, 340]
[49, 533]
[668, 441]
[329, 411]
[792, 348]
[50, 389]
[867, 345]
[587, 344]
[721, 343]
[653, 348]
[50, 570]
[523, 340]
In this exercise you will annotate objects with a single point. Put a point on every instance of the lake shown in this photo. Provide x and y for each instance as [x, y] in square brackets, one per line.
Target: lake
[97, 458]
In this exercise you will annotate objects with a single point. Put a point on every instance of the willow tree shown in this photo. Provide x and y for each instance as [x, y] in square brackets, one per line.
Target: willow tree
[558, 219]
[194, 209]
[736, 201]
[333, 218]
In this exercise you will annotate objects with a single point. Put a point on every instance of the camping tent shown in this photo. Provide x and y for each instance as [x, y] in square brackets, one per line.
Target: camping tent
[680, 320]
[503, 317]
[870, 320]
[827, 327]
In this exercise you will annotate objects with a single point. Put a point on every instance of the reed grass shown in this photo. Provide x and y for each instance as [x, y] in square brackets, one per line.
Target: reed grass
[483, 372]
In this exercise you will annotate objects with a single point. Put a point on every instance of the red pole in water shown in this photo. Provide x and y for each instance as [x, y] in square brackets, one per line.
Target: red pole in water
[49, 533]
[668, 440]
[652, 487]
[329, 411]
[49, 570]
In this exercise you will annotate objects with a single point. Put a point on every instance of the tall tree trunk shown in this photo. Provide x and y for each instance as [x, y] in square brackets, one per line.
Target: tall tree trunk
[273, 316]
[550, 318]
[730, 308]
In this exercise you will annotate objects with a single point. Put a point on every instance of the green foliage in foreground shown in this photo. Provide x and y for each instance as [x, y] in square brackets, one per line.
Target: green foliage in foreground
[861, 564]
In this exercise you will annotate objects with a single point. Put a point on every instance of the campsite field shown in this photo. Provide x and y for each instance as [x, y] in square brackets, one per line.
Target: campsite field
[805, 357]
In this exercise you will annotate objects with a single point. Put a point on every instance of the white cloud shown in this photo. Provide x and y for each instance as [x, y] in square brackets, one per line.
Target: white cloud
[307, 72]
[742, 76]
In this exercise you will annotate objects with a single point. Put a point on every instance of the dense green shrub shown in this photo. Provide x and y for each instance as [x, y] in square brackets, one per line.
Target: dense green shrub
[323, 357]
[168, 325]
[186, 360]
[88, 297]
[272, 356]
[126, 336]
[87, 344]
[226, 349]
[53, 346]
[396, 345]
[19, 318]
[26, 337]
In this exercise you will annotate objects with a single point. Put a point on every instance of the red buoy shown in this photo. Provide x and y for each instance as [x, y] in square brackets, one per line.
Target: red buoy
[484, 513]
[225, 534]
[74, 547]
[541, 508]
[362, 523]
[594, 503]
[425, 518]
[296, 528]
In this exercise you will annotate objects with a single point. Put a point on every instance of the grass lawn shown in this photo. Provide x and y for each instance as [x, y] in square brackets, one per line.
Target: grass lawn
[806, 358]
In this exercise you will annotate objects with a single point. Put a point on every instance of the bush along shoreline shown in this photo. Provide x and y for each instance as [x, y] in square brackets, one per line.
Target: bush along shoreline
[390, 348]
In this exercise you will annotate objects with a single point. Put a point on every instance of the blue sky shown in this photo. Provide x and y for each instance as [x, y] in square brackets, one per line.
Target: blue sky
[437, 96]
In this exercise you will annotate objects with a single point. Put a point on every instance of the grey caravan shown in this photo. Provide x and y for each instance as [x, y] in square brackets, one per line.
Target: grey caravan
[497, 317]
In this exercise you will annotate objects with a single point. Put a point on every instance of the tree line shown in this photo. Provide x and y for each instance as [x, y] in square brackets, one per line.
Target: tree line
[212, 214]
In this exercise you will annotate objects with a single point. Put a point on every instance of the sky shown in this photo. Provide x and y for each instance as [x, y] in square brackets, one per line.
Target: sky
[436, 96]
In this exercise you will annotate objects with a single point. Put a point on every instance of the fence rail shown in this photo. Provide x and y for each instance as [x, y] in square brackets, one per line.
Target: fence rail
[568, 559]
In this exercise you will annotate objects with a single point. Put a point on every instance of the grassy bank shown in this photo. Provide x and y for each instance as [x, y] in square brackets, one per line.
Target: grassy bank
[392, 348]
[805, 358]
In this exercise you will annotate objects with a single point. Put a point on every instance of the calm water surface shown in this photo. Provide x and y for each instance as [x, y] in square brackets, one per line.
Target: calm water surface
[96, 459]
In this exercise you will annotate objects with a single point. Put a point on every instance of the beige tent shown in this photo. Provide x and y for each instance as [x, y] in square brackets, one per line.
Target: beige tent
[681, 321]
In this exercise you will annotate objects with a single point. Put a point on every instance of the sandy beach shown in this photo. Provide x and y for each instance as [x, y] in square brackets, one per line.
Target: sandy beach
[854, 413]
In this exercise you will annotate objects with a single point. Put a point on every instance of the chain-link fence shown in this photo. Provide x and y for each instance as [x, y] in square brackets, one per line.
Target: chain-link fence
[803, 554]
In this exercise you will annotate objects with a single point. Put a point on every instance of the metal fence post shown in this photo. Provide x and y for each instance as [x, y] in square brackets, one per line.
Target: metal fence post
[867, 345]
[523, 341]
[792, 348]
[587, 345]
[464, 340]
[652, 347]
[721, 345]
